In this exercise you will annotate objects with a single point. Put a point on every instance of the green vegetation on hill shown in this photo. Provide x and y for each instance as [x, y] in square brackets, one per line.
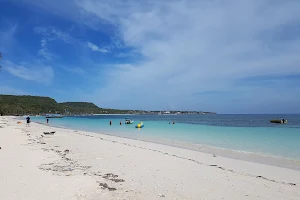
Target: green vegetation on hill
[21, 105]
[80, 108]
[35, 105]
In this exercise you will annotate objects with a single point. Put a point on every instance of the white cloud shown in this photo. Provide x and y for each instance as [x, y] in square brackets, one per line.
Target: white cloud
[121, 55]
[190, 46]
[197, 45]
[117, 43]
[53, 33]
[50, 34]
[31, 72]
[44, 50]
[94, 47]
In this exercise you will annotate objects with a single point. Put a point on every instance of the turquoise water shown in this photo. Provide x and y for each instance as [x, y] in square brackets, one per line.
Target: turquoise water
[250, 133]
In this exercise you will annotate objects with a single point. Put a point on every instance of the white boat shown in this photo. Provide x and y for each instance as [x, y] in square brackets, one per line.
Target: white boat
[128, 121]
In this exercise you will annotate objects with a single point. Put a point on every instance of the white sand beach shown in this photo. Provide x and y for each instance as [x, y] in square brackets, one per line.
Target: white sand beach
[80, 165]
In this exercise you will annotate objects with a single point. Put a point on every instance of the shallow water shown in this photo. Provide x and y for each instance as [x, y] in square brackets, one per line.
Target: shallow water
[249, 133]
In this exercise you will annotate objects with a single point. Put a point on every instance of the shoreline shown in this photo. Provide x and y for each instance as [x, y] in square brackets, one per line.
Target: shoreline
[261, 158]
[80, 165]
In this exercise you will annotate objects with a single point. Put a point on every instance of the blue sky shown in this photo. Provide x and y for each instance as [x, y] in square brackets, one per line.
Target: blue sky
[235, 56]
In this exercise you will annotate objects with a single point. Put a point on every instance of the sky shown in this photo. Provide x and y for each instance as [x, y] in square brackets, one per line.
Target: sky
[234, 56]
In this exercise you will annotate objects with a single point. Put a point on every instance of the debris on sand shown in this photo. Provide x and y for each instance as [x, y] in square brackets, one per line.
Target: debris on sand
[110, 175]
[49, 133]
[96, 174]
[105, 186]
[64, 165]
[117, 180]
[60, 168]
[113, 177]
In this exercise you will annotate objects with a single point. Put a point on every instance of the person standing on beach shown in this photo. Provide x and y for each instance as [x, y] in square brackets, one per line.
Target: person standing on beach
[47, 121]
[28, 121]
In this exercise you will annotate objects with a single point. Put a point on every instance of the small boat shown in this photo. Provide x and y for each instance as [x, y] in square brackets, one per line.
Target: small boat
[140, 125]
[128, 121]
[278, 121]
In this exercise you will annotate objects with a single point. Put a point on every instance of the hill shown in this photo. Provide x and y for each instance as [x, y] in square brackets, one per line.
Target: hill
[37, 105]
[21, 105]
[80, 107]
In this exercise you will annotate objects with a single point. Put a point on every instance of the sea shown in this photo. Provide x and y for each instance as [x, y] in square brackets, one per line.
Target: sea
[242, 133]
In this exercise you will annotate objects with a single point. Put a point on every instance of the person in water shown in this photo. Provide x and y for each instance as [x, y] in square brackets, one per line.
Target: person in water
[120, 122]
[28, 121]
[110, 122]
[47, 121]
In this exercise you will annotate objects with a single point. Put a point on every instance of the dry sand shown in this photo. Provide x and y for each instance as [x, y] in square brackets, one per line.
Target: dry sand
[89, 166]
